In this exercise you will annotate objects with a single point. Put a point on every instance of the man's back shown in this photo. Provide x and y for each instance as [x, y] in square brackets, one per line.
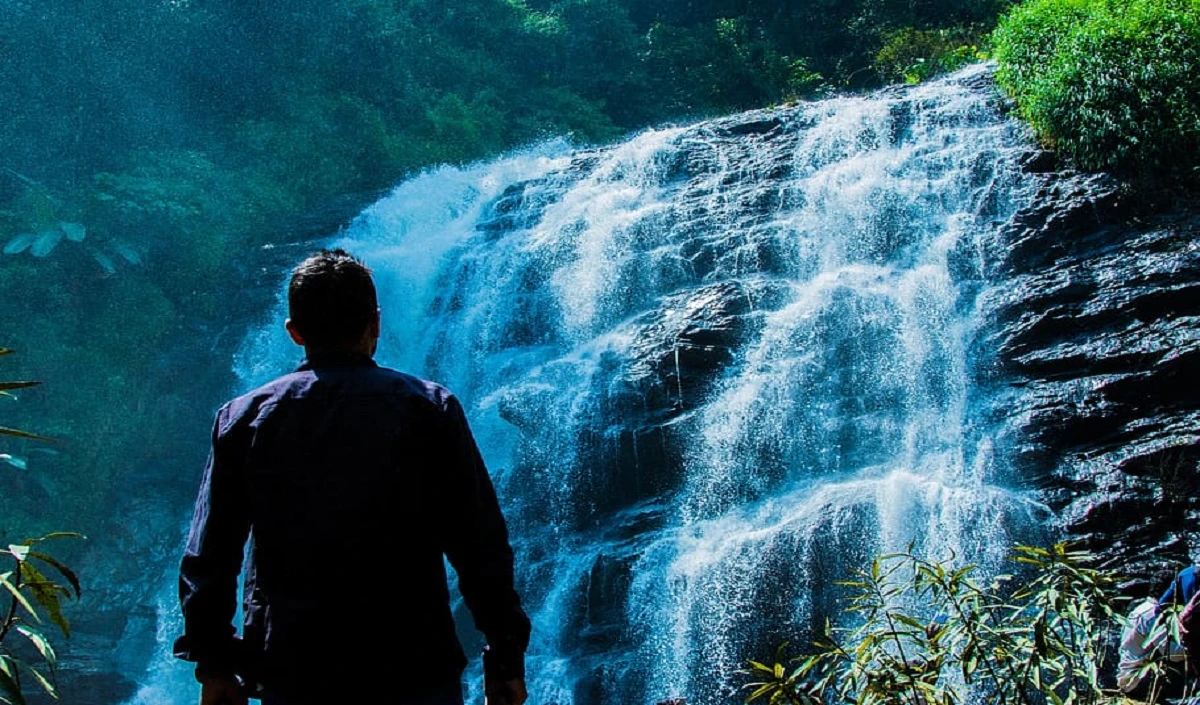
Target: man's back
[354, 480]
[351, 483]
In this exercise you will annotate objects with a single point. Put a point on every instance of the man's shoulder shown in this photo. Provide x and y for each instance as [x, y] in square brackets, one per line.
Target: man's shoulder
[248, 403]
[267, 392]
[374, 380]
[395, 381]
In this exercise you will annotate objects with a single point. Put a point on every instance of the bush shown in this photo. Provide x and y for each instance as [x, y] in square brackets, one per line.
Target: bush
[914, 55]
[32, 597]
[928, 632]
[1112, 84]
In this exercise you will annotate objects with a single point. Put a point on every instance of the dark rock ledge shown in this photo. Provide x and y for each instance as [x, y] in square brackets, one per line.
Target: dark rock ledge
[1094, 334]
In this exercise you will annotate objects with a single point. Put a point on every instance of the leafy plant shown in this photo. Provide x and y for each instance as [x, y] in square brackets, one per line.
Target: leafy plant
[33, 599]
[1111, 84]
[914, 55]
[6, 389]
[929, 632]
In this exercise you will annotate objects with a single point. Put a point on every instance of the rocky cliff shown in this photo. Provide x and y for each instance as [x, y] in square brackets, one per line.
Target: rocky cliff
[1094, 329]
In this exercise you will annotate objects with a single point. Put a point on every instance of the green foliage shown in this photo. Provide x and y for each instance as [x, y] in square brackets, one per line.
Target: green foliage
[33, 600]
[726, 62]
[1112, 84]
[929, 632]
[914, 55]
[6, 391]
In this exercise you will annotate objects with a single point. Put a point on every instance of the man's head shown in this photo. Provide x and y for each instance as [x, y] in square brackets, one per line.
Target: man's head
[332, 304]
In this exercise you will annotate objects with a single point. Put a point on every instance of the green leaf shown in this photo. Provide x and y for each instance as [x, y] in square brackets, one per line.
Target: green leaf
[10, 688]
[54, 535]
[18, 595]
[64, 570]
[761, 691]
[760, 667]
[17, 385]
[42, 681]
[39, 642]
[47, 593]
[22, 434]
[6, 351]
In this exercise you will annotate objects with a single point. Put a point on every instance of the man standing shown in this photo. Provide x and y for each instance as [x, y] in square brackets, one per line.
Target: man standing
[351, 482]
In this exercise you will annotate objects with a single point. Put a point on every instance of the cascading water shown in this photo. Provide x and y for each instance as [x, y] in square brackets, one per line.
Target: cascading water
[712, 369]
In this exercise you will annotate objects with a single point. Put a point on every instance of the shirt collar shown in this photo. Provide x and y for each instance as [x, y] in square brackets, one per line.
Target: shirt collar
[337, 358]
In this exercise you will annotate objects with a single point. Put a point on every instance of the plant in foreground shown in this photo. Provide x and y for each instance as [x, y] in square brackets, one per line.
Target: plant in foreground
[929, 633]
[6, 389]
[25, 652]
[33, 599]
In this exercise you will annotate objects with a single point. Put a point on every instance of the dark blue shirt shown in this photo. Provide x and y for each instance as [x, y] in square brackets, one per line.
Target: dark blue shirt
[1181, 588]
[351, 482]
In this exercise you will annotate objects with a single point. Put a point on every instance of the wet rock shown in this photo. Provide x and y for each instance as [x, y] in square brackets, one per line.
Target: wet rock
[1095, 327]
[682, 347]
[764, 126]
[1041, 162]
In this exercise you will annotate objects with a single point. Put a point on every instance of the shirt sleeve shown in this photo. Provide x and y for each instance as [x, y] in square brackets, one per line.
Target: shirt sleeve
[476, 543]
[1181, 589]
[212, 560]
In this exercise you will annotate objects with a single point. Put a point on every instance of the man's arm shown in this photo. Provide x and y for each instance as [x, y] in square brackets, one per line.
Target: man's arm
[1182, 586]
[476, 542]
[212, 561]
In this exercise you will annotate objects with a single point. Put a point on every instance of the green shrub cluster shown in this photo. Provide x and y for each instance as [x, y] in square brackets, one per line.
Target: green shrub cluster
[33, 598]
[913, 55]
[1113, 84]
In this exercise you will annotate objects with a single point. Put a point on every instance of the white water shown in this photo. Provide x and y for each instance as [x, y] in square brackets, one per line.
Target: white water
[842, 428]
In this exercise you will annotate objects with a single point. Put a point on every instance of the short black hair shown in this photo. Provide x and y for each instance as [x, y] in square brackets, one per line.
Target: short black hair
[331, 299]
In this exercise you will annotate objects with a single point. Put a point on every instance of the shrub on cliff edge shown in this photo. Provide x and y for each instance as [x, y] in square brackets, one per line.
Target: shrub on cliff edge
[1112, 84]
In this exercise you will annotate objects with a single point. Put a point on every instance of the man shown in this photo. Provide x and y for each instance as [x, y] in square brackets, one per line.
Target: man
[1144, 636]
[351, 482]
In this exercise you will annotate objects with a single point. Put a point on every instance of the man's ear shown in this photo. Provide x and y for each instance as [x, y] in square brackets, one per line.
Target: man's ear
[295, 334]
[374, 328]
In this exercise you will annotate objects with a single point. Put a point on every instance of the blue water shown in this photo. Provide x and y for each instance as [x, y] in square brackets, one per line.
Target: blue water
[843, 424]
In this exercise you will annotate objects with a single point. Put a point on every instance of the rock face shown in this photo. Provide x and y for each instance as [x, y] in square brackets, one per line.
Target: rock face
[1095, 327]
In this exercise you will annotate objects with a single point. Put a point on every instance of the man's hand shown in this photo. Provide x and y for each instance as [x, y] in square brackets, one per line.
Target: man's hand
[511, 692]
[221, 689]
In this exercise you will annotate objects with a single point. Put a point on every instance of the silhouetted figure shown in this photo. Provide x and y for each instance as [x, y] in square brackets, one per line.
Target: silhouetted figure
[351, 482]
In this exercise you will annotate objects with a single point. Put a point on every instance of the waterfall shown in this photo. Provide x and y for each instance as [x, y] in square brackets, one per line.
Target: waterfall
[712, 369]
